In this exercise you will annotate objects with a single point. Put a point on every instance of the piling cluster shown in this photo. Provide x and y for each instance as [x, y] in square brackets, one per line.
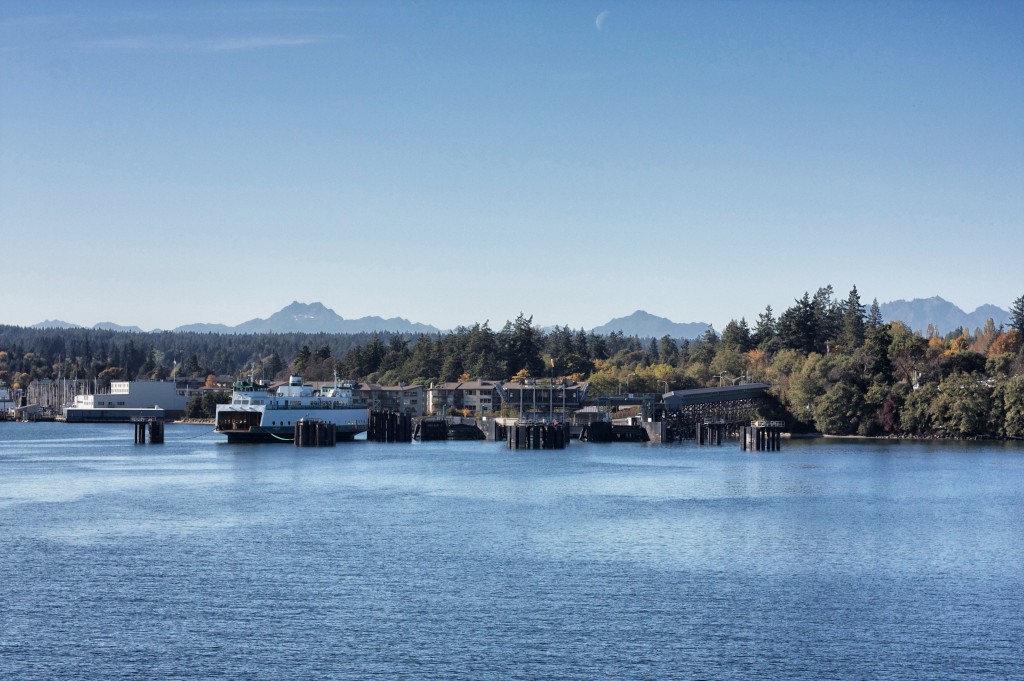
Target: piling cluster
[537, 436]
[711, 433]
[762, 436]
[155, 427]
[389, 426]
[314, 433]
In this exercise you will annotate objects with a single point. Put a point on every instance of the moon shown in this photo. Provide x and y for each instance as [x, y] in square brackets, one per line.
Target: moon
[601, 18]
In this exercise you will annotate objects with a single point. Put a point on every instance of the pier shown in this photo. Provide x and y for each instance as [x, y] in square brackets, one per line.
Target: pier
[762, 436]
[697, 414]
[154, 427]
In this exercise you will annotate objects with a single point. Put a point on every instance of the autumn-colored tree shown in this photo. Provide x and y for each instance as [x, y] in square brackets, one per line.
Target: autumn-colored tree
[1008, 342]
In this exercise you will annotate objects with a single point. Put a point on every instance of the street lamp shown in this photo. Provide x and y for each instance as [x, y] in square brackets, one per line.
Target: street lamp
[666, 386]
[720, 377]
[627, 383]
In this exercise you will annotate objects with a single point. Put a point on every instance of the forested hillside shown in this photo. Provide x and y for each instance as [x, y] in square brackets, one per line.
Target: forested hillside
[835, 365]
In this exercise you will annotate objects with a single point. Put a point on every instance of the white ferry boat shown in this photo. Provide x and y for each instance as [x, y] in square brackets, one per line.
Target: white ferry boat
[257, 414]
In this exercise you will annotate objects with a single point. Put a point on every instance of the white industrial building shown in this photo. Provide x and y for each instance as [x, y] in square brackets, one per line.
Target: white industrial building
[131, 399]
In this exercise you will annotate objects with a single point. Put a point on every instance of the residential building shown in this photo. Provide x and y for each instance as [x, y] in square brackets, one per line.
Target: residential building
[543, 399]
[404, 399]
[479, 397]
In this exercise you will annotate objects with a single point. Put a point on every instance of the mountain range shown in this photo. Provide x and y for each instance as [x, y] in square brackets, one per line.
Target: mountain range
[647, 325]
[317, 318]
[941, 314]
[313, 318]
[294, 318]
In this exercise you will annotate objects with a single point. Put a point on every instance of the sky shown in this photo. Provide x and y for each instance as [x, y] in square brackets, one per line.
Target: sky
[166, 163]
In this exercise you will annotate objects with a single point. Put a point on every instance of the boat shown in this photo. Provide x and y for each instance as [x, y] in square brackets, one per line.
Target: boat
[258, 413]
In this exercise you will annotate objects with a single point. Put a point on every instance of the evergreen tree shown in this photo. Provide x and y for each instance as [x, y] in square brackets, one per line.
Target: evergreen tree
[798, 326]
[875, 315]
[668, 350]
[273, 366]
[853, 321]
[520, 345]
[652, 352]
[301, 360]
[1017, 315]
[736, 335]
[828, 319]
[765, 330]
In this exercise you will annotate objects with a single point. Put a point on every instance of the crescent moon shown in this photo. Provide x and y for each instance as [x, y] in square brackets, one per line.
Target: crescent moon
[599, 21]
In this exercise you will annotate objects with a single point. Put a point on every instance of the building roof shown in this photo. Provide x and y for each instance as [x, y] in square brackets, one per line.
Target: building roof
[478, 384]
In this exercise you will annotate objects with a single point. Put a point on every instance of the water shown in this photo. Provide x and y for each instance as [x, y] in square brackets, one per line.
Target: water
[198, 559]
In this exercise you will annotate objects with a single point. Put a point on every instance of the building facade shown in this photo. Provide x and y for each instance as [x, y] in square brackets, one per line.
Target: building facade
[129, 399]
[533, 399]
[478, 397]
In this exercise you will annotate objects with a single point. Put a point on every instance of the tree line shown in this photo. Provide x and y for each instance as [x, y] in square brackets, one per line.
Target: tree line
[834, 364]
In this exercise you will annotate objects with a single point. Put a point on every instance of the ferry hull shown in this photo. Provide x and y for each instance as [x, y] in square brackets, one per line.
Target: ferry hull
[258, 435]
[247, 426]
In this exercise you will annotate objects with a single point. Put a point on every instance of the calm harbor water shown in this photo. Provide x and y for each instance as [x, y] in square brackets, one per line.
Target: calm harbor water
[198, 559]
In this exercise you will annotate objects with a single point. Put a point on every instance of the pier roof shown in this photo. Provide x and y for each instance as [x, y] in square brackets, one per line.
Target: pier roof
[729, 393]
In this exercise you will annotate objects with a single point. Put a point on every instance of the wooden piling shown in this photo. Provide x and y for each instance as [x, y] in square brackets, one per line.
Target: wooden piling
[537, 435]
[155, 428]
[314, 433]
[762, 436]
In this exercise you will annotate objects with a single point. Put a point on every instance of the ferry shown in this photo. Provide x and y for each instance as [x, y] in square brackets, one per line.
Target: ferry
[259, 414]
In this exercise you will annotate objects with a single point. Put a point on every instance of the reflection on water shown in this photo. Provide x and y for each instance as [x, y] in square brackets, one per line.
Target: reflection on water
[199, 559]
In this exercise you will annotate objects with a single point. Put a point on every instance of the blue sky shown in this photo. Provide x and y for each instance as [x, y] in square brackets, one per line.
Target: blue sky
[178, 162]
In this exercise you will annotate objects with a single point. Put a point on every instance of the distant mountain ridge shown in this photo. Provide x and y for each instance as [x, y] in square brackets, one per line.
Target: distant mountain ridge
[941, 314]
[647, 325]
[55, 324]
[318, 318]
[313, 318]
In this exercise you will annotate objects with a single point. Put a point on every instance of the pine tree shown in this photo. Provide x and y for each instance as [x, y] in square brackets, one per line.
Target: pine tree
[765, 329]
[853, 321]
[798, 326]
[874, 316]
[736, 335]
[1017, 315]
